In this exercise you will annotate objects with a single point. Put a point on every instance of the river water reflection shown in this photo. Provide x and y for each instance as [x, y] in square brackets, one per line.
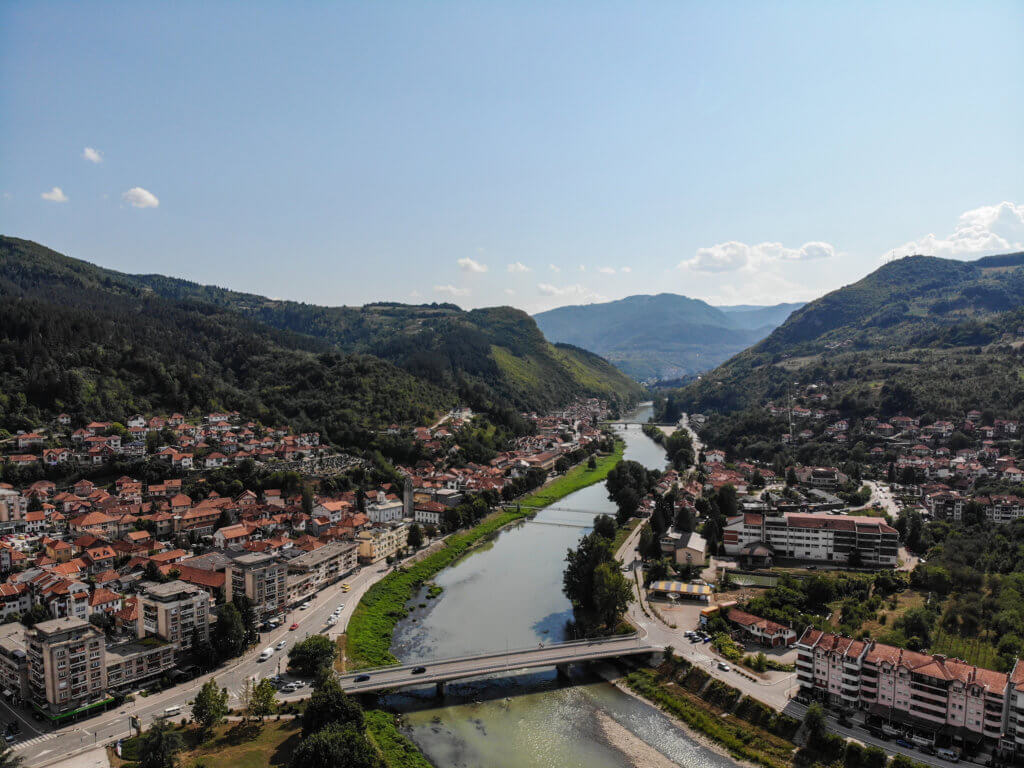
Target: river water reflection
[508, 595]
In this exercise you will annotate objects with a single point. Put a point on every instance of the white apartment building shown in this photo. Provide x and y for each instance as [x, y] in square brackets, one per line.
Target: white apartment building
[829, 538]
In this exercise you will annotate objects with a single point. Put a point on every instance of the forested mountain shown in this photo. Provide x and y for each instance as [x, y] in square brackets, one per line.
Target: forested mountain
[663, 336]
[921, 334]
[78, 338]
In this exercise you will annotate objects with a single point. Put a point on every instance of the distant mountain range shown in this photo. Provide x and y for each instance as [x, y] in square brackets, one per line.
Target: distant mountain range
[101, 344]
[665, 336]
[920, 335]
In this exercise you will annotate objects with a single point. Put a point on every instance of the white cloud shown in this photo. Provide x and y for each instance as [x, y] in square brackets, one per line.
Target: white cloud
[92, 155]
[55, 195]
[607, 270]
[583, 268]
[137, 197]
[989, 229]
[733, 255]
[451, 290]
[575, 291]
[509, 292]
[626, 269]
[415, 294]
[554, 269]
[518, 267]
[469, 265]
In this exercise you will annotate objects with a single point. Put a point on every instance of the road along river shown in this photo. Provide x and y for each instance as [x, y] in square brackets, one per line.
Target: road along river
[508, 594]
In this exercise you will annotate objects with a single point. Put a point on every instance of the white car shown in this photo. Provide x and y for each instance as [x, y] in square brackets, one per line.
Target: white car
[282, 644]
[305, 605]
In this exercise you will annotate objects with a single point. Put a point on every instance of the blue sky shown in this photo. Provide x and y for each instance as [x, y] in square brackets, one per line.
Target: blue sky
[534, 154]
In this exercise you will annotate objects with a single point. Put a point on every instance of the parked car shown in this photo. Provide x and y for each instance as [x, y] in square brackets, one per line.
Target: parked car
[724, 667]
[904, 743]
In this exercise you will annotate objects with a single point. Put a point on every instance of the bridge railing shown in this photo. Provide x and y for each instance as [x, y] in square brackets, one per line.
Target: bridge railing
[571, 644]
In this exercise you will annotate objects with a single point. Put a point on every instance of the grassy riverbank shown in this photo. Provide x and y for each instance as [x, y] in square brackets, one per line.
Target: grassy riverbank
[395, 749]
[753, 733]
[576, 478]
[368, 636]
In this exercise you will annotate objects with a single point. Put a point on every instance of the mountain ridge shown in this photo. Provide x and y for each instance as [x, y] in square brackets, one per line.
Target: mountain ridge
[415, 359]
[660, 336]
[921, 331]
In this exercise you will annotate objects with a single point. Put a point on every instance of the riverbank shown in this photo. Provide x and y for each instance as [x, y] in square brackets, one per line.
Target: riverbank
[371, 628]
[716, 714]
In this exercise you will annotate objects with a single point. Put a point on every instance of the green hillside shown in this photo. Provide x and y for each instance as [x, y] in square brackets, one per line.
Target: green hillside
[932, 335]
[76, 337]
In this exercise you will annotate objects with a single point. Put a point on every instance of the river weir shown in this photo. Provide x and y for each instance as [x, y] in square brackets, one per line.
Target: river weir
[506, 595]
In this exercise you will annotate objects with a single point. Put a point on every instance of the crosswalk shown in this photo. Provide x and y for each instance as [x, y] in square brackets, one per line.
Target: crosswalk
[19, 745]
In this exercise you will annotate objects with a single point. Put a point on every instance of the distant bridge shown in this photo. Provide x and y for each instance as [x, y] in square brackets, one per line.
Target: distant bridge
[640, 424]
[441, 671]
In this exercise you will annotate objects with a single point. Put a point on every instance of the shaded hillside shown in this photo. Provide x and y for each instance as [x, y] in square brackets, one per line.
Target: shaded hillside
[75, 335]
[662, 336]
[919, 334]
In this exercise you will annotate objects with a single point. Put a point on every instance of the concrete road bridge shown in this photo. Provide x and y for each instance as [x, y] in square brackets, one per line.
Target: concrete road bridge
[441, 671]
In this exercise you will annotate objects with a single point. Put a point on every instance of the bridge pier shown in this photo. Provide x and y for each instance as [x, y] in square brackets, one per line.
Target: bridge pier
[441, 689]
[562, 672]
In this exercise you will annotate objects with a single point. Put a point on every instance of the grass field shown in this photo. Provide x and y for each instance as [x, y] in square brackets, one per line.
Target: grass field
[239, 745]
[904, 601]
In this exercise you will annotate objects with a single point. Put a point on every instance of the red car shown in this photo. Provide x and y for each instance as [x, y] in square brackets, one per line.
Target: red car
[293, 627]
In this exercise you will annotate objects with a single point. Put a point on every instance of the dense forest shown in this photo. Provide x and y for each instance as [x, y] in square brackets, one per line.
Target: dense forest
[99, 344]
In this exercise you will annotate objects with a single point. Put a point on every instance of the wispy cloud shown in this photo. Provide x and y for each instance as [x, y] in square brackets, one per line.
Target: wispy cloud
[451, 290]
[55, 195]
[606, 270]
[470, 265]
[625, 269]
[92, 155]
[518, 267]
[574, 291]
[137, 197]
[733, 255]
[554, 268]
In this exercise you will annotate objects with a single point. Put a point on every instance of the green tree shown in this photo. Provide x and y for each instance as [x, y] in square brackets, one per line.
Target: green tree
[814, 721]
[210, 705]
[604, 526]
[329, 704]
[612, 593]
[415, 536]
[334, 746]
[229, 640]
[159, 746]
[9, 759]
[312, 655]
[264, 699]
[592, 462]
[248, 615]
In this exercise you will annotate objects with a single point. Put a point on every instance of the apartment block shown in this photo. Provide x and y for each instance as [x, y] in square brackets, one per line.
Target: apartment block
[380, 542]
[829, 538]
[261, 578]
[67, 667]
[312, 571]
[176, 612]
[930, 693]
[13, 662]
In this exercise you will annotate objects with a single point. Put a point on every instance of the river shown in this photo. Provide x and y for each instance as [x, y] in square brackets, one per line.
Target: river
[508, 595]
